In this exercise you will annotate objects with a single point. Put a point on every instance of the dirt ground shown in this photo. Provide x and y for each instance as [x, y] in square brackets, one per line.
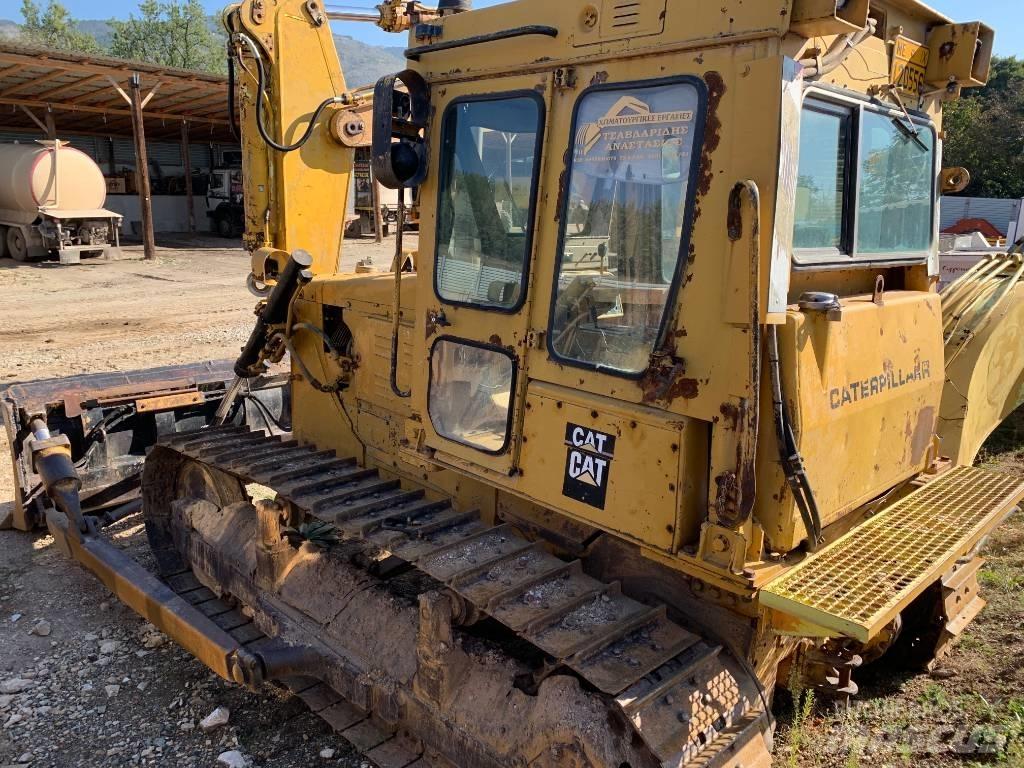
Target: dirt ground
[969, 712]
[101, 688]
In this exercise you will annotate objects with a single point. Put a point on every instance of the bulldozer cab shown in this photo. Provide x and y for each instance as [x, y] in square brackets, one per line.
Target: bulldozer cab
[558, 279]
[592, 287]
[676, 278]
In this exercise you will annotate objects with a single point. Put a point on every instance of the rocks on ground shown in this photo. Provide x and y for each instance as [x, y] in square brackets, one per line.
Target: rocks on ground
[233, 759]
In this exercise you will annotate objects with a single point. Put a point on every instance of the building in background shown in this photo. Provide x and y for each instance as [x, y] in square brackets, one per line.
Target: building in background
[994, 218]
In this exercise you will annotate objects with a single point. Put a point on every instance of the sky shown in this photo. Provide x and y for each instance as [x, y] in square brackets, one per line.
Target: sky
[1006, 16]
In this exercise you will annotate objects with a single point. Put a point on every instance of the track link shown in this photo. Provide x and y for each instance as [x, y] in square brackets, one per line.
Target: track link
[386, 749]
[686, 697]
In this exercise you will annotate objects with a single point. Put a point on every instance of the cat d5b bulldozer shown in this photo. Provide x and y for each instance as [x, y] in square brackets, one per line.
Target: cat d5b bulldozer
[664, 411]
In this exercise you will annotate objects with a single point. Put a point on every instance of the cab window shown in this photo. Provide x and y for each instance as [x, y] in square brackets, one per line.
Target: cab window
[470, 393]
[490, 158]
[626, 223]
[866, 185]
[897, 176]
[823, 179]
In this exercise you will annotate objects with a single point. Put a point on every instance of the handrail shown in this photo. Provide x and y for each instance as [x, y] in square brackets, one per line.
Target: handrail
[414, 54]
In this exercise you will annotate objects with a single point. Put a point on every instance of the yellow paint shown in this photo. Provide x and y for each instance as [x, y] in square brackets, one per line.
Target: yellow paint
[865, 397]
[909, 64]
[865, 389]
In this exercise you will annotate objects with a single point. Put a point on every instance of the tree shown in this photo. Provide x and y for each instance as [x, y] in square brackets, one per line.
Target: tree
[985, 133]
[174, 34]
[54, 28]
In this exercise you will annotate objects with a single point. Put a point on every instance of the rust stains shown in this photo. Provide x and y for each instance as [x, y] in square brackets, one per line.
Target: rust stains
[599, 78]
[921, 438]
[946, 50]
[731, 413]
[432, 324]
[563, 180]
[495, 339]
[712, 130]
[665, 380]
[727, 495]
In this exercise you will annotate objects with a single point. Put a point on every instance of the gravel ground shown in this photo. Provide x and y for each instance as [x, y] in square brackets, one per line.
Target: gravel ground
[92, 684]
[83, 680]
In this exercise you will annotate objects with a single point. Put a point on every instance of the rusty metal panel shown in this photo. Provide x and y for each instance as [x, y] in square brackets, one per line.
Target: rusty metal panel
[619, 19]
[169, 402]
[73, 391]
[960, 53]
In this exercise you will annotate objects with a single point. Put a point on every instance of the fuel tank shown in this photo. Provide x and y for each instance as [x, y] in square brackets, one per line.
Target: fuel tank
[863, 383]
[36, 176]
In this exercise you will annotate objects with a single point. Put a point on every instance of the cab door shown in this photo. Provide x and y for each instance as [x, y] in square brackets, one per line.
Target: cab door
[476, 276]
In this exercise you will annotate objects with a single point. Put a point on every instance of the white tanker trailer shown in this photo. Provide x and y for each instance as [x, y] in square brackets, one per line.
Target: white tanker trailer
[51, 204]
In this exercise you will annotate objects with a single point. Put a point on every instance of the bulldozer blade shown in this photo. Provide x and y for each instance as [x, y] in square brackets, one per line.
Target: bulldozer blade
[149, 597]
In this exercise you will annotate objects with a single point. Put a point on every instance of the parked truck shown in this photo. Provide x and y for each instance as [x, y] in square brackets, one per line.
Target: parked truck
[51, 204]
[224, 202]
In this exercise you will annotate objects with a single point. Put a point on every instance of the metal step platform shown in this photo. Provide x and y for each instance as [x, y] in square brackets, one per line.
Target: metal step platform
[859, 583]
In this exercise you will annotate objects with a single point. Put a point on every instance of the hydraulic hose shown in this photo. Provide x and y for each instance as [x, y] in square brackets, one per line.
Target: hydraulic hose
[261, 87]
[312, 380]
[274, 312]
[789, 454]
[396, 299]
[836, 54]
[232, 113]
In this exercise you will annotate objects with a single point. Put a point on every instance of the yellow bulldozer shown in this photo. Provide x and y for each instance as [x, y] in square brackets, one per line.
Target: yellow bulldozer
[664, 412]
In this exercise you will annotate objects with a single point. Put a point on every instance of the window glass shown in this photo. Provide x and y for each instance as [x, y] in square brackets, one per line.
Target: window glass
[894, 213]
[484, 227]
[624, 227]
[821, 180]
[471, 394]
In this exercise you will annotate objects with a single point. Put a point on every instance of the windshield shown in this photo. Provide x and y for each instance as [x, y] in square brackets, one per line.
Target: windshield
[865, 190]
[894, 208]
[489, 167]
[626, 223]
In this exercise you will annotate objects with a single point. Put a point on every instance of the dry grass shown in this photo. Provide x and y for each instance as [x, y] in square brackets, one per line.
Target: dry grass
[969, 714]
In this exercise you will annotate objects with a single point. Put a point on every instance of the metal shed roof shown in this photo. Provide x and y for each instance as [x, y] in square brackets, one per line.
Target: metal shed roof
[79, 90]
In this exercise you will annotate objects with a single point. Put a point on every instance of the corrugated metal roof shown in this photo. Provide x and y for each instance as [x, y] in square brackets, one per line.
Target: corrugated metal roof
[999, 213]
[77, 89]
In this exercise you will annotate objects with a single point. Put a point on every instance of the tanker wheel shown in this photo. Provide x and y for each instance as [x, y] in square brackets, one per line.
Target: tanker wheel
[224, 228]
[17, 245]
[3, 242]
[169, 477]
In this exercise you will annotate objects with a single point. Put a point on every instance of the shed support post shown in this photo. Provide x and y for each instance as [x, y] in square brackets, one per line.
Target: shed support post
[187, 157]
[142, 169]
[378, 218]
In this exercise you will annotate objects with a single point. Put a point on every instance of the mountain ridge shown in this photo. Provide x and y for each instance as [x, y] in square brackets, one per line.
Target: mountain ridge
[363, 63]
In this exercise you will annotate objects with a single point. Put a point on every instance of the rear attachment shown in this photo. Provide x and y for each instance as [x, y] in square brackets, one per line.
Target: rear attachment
[859, 584]
[108, 421]
[562, 660]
